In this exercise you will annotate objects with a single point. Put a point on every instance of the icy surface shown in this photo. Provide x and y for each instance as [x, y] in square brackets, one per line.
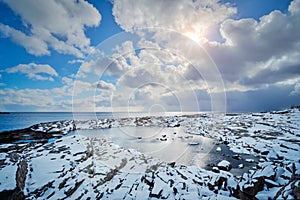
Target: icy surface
[79, 167]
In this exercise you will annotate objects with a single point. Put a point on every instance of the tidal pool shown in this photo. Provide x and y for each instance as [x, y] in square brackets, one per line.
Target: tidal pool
[171, 145]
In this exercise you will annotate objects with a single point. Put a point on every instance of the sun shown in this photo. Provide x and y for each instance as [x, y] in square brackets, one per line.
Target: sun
[196, 33]
[192, 35]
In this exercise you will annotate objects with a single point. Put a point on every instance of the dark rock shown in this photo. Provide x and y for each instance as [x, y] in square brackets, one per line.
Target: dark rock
[215, 169]
[250, 190]
[21, 174]
[256, 150]
[222, 181]
[72, 190]
[225, 142]
[13, 157]
[296, 191]
[148, 182]
[264, 153]
[270, 183]
[171, 182]
[280, 157]
[158, 196]
[175, 190]
[15, 194]
[171, 164]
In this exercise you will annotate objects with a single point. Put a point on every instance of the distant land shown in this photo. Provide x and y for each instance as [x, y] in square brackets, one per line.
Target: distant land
[4, 113]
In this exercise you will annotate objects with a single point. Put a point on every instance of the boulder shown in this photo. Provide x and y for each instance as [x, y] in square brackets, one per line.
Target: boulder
[224, 165]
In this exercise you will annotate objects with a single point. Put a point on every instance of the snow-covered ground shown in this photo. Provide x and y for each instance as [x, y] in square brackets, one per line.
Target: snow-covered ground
[77, 166]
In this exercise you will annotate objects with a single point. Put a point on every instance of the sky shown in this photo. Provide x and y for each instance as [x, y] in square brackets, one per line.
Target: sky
[150, 56]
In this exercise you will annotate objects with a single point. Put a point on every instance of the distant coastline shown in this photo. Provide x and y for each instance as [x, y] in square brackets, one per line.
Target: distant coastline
[4, 113]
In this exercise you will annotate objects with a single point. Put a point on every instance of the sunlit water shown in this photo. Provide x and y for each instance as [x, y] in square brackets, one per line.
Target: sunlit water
[170, 145]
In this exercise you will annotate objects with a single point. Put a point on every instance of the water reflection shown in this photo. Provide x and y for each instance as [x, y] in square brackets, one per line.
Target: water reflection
[174, 145]
[167, 144]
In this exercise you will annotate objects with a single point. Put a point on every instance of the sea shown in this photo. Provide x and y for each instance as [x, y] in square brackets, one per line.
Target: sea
[20, 120]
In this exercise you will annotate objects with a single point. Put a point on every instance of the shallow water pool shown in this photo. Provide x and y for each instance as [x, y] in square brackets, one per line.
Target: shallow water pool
[171, 145]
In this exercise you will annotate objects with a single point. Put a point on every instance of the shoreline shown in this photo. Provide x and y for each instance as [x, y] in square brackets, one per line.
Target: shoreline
[272, 137]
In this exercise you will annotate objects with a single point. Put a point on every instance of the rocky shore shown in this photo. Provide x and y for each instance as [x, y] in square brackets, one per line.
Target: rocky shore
[45, 162]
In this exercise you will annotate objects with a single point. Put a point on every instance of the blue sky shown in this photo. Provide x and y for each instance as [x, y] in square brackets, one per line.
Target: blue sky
[102, 56]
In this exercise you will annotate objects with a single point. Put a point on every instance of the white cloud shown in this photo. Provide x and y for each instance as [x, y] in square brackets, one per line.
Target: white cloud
[32, 44]
[102, 85]
[296, 90]
[86, 97]
[41, 99]
[257, 53]
[198, 17]
[57, 25]
[250, 54]
[255, 56]
[34, 71]
[75, 61]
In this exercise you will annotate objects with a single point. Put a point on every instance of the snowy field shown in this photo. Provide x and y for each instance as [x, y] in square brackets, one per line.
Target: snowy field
[77, 166]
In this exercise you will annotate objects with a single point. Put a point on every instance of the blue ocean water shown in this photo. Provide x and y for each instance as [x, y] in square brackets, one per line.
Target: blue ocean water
[20, 120]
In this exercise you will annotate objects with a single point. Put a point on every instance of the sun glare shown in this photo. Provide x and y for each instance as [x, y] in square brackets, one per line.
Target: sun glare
[192, 35]
[196, 35]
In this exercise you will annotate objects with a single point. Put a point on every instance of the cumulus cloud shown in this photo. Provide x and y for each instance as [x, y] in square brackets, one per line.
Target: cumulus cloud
[258, 59]
[102, 85]
[252, 55]
[256, 52]
[250, 45]
[34, 71]
[198, 17]
[55, 99]
[57, 25]
[296, 90]
[150, 76]
[62, 98]
[32, 44]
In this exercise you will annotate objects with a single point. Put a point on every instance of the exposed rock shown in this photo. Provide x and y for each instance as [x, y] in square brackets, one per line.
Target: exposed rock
[296, 191]
[171, 164]
[21, 174]
[249, 190]
[15, 194]
[72, 190]
[224, 165]
[215, 169]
